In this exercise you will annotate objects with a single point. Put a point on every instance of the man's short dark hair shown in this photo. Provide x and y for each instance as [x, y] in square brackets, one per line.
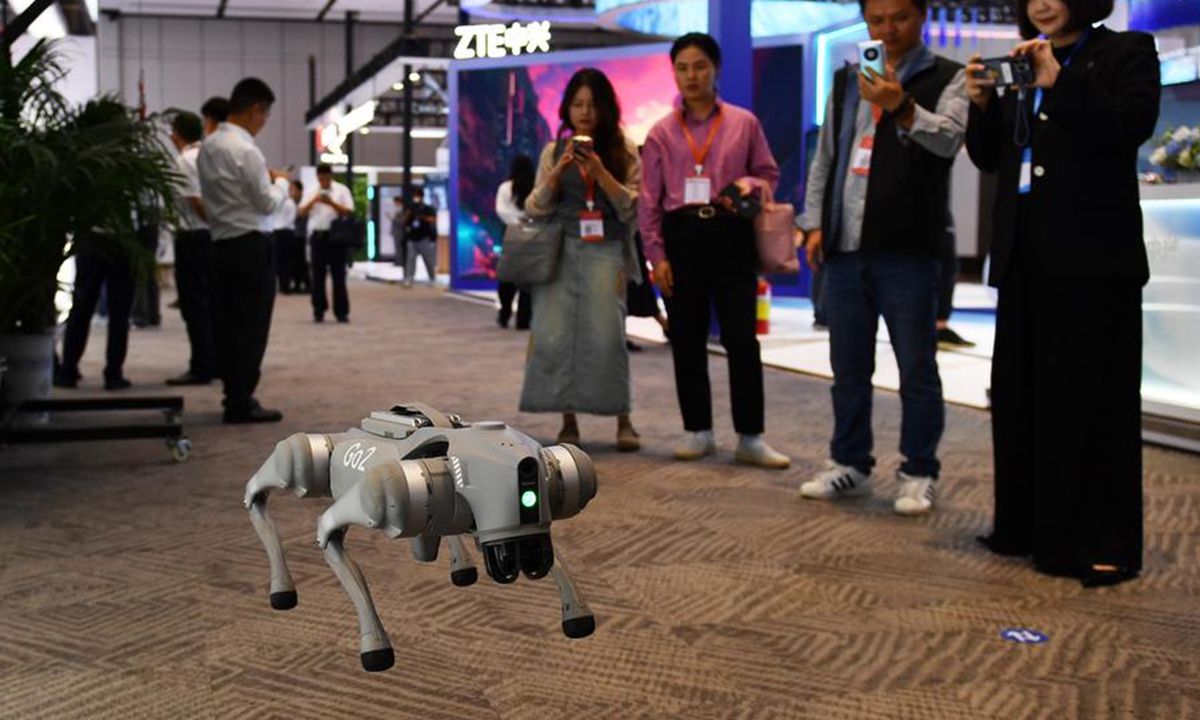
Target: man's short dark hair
[418, 190]
[921, 5]
[187, 126]
[324, 169]
[216, 109]
[1082, 14]
[703, 41]
[298, 185]
[250, 92]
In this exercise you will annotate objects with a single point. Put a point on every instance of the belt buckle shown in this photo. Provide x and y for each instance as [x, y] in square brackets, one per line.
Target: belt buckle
[707, 212]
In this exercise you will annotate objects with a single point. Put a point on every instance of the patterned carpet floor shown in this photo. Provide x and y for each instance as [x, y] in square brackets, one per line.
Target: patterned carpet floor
[132, 587]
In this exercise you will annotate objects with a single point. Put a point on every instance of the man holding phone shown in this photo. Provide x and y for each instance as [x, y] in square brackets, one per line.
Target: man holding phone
[328, 201]
[875, 218]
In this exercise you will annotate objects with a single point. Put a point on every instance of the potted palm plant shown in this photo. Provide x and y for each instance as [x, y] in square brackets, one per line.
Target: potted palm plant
[70, 177]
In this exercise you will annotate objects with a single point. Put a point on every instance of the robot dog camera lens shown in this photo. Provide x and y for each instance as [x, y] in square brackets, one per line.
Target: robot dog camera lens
[537, 556]
[503, 561]
[527, 469]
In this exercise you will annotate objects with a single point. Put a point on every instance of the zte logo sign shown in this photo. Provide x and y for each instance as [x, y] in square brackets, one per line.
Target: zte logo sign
[497, 41]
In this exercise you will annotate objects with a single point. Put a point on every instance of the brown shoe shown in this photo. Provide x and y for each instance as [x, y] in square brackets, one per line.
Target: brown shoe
[628, 439]
[568, 435]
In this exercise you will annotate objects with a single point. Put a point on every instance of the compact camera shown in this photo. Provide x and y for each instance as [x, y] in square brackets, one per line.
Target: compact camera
[1007, 71]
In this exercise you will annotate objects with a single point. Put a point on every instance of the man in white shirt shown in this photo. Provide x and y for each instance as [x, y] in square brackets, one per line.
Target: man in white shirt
[326, 203]
[195, 271]
[238, 191]
[282, 224]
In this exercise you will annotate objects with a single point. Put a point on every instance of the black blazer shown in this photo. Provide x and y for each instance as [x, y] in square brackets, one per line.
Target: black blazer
[1084, 210]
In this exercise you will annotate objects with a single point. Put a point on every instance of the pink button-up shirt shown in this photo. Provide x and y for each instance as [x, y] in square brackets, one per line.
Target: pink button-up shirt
[739, 152]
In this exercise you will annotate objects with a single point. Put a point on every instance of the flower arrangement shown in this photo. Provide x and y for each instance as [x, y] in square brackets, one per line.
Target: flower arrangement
[1178, 149]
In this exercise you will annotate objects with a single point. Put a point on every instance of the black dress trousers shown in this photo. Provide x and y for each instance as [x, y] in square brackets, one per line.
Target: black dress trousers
[714, 263]
[246, 280]
[95, 271]
[328, 257]
[1066, 417]
[196, 280]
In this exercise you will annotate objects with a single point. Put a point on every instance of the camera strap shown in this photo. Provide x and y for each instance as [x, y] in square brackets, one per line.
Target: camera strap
[1023, 135]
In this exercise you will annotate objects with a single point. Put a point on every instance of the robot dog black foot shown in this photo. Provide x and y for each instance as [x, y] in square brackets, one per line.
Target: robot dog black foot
[464, 577]
[579, 627]
[378, 660]
[284, 600]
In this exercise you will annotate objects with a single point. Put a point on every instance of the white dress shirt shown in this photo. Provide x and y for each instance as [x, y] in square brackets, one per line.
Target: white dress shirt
[320, 215]
[234, 183]
[285, 217]
[506, 208]
[189, 188]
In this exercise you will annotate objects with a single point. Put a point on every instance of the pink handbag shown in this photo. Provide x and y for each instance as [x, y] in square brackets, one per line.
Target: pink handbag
[775, 237]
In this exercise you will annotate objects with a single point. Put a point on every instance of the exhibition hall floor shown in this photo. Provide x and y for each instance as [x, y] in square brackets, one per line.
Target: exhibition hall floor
[132, 587]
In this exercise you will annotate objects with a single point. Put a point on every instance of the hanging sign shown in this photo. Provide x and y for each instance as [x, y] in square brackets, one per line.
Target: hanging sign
[497, 41]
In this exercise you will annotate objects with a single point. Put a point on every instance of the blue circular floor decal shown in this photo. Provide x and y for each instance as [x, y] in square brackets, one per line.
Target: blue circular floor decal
[1024, 636]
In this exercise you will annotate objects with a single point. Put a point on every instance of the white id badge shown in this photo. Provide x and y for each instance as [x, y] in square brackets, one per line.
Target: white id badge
[860, 164]
[697, 191]
[591, 227]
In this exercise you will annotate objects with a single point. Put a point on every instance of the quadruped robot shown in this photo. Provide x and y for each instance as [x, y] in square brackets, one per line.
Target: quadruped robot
[418, 473]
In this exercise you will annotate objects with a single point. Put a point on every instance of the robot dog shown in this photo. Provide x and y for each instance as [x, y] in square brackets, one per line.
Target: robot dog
[417, 473]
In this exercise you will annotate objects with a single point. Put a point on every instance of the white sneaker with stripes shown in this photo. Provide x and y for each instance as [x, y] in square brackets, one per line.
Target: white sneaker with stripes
[836, 481]
[917, 494]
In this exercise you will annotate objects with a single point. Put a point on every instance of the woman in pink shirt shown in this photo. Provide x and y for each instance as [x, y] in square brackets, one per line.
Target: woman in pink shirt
[703, 252]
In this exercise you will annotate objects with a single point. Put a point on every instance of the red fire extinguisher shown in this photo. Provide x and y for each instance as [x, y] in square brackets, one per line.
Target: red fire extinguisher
[763, 315]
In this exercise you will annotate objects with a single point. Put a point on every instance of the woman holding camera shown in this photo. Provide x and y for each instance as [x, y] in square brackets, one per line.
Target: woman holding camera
[702, 162]
[587, 182]
[1069, 261]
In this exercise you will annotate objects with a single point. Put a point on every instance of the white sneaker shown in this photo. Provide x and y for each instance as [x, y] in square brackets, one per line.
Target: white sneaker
[917, 494]
[696, 446]
[836, 481]
[753, 450]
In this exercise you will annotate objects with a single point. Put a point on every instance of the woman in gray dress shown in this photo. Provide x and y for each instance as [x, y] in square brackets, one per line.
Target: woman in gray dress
[588, 181]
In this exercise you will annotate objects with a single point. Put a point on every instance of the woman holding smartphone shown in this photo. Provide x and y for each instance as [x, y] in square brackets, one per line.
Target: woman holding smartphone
[703, 252]
[1069, 261]
[587, 181]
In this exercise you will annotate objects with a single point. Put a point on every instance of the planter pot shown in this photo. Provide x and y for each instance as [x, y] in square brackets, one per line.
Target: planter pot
[29, 360]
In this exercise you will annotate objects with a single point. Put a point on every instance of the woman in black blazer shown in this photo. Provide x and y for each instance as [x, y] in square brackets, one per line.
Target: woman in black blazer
[1069, 261]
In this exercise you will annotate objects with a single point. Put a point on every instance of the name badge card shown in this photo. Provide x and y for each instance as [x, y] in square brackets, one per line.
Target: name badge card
[591, 226]
[1025, 183]
[860, 164]
[697, 191]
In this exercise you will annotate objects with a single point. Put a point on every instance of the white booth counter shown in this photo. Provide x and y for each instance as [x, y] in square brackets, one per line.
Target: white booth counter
[1171, 315]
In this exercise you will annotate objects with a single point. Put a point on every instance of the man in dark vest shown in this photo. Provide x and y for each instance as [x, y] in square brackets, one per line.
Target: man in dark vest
[875, 216]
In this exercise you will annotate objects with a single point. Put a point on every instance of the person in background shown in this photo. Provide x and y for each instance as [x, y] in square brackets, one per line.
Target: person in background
[327, 202]
[283, 223]
[420, 237]
[510, 208]
[897, 133]
[947, 338]
[195, 271]
[704, 253]
[298, 250]
[1069, 260]
[96, 270]
[587, 181]
[239, 192]
[213, 112]
[397, 219]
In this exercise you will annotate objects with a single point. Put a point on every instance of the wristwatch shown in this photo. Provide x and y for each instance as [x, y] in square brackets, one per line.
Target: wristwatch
[907, 105]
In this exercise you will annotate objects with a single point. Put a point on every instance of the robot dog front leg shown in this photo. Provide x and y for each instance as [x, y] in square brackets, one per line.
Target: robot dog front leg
[578, 620]
[301, 463]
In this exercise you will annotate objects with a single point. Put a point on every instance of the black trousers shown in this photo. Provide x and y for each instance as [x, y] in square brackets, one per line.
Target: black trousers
[1066, 418]
[331, 258]
[298, 263]
[949, 275]
[196, 280]
[146, 305]
[284, 273]
[94, 271]
[714, 263]
[508, 291]
[246, 281]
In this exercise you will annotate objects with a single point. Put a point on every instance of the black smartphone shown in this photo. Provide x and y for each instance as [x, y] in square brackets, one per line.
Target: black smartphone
[1007, 71]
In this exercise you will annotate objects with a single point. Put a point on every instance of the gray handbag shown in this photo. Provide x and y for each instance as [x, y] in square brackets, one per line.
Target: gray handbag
[530, 253]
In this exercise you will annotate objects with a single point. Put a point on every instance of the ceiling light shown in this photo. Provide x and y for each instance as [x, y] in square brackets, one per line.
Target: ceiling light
[414, 77]
[398, 86]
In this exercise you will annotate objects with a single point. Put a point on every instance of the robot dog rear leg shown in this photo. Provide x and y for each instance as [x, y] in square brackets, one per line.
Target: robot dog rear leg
[462, 571]
[578, 620]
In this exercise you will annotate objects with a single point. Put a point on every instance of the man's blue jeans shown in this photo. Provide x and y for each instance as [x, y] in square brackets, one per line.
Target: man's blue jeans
[859, 287]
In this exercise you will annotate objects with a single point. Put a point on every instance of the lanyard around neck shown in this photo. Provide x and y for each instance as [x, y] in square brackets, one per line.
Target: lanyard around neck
[1038, 93]
[700, 154]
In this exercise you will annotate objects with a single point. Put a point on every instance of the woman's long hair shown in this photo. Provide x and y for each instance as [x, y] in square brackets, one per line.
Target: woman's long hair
[607, 138]
[522, 174]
